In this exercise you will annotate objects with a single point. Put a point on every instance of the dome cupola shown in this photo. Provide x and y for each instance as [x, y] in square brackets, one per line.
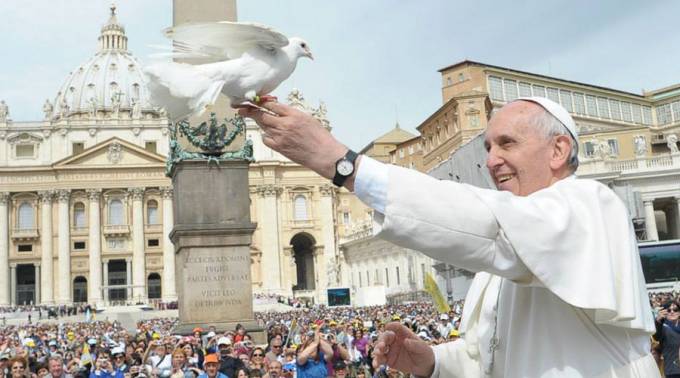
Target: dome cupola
[109, 85]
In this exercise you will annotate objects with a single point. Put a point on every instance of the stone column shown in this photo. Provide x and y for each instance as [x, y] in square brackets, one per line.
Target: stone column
[328, 268]
[138, 263]
[269, 223]
[168, 289]
[47, 255]
[105, 274]
[64, 243]
[38, 298]
[4, 250]
[95, 248]
[677, 216]
[13, 283]
[128, 278]
[650, 221]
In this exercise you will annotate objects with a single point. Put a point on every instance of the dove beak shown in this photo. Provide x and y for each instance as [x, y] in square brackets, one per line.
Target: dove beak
[309, 55]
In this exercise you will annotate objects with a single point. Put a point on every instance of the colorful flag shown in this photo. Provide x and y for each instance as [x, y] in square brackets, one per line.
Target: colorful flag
[432, 288]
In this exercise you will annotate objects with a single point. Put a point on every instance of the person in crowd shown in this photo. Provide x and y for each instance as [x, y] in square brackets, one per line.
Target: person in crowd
[276, 350]
[312, 356]
[274, 370]
[55, 366]
[228, 363]
[547, 248]
[17, 368]
[242, 373]
[42, 371]
[4, 364]
[211, 367]
[339, 353]
[180, 368]
[668, 336]
[119, 361]
[339, 369]
[257, 361]
[103, 368]
[159, 361]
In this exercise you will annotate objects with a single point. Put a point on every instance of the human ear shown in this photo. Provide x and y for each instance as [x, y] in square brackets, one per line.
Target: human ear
[560, 152]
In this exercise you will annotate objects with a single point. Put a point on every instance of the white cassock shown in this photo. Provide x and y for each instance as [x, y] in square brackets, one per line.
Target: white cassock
[559, 283]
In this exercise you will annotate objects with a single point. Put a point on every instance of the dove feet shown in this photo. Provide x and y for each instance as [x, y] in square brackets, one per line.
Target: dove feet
[265, 98]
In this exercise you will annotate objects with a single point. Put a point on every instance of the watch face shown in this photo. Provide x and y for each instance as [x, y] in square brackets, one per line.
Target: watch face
[345, 167]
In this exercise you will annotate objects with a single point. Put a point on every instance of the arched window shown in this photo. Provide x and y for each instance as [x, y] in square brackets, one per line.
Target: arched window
[116, 212]
[152, 212]
[26, 216]
[79, 215]
[300, 207]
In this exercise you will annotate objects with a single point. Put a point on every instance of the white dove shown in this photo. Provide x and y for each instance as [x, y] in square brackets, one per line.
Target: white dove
[245, 61]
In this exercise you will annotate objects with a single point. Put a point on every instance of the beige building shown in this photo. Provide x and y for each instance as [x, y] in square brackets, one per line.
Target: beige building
[627, 140]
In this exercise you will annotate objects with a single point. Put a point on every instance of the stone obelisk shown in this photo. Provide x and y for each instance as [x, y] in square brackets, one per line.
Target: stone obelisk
[213, 230]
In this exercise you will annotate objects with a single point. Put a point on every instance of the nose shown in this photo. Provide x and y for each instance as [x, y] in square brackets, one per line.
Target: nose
[493, 160]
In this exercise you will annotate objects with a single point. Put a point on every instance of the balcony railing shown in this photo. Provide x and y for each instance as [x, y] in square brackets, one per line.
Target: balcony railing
[632, 166]
[302, 223]
[116, 230]
[25, 234]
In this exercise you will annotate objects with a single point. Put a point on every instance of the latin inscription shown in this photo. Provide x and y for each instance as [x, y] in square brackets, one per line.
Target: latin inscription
[219, 282]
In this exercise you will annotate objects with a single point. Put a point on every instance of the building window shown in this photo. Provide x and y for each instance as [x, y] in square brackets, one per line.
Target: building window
[78, 147]
[25, 248]
[345, 218]
[663, 114]
[613, 147]
[116, 215]
[401, 153]
[616, 109]
[387, 277]
[461, 77]
[591, 106]
[539, 90]
[496, 88]
[554, 94]
[510, 89]
[589, 150]
[603, 107]
[626, 112]
[524, 89]
[410, 150]
[153, 243]
[448, 81]
[152, 212]
[79, 215]
[79, 245]
[676, 111]
[398, 277]
[579, 103]
[150, 146]
[24, 151]
[300, 207]
[422, 269]
[647, 115]
[154, 285]
[361, 282]
[26, 216]
[368, 279]
[565, 100]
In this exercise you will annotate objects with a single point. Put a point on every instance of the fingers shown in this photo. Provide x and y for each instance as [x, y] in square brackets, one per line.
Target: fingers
[277, 107]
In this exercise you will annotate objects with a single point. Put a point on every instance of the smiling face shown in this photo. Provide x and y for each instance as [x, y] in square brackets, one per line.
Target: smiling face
[521, 159]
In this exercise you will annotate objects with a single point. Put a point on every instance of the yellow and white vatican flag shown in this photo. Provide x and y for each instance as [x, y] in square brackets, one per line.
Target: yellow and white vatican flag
[431, 287]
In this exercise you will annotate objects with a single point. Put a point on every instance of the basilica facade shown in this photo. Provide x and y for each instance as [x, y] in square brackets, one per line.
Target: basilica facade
[86, 208]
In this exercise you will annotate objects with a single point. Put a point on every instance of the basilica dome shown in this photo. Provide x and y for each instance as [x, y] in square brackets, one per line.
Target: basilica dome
[110, 84]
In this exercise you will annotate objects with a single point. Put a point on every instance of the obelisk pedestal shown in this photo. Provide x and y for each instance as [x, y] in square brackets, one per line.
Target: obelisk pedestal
[212, 237]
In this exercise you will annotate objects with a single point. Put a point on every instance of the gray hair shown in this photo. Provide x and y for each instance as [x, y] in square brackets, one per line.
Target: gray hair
[56, 357]
[549, 126]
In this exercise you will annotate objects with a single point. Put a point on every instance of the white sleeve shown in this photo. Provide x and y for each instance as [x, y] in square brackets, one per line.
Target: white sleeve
[451, 360]
[370, 183]
[443, 219]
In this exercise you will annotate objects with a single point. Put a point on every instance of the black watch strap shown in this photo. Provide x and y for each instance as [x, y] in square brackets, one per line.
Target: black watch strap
[339, 179]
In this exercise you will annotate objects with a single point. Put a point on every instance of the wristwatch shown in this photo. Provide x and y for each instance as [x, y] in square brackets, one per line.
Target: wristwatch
[344, 167]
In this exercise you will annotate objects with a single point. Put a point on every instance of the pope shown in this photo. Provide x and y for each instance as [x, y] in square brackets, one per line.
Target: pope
[558, 290]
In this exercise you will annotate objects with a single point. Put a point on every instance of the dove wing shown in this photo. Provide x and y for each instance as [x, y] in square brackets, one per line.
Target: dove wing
[219, 41]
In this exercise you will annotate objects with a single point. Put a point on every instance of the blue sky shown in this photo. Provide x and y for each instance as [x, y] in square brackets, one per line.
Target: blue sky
[376, 60]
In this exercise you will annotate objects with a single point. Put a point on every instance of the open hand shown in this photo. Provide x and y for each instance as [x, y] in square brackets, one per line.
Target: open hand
[400, 348]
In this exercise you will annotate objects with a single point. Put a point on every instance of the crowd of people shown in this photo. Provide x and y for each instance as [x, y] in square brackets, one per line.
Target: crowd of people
[308, 342]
